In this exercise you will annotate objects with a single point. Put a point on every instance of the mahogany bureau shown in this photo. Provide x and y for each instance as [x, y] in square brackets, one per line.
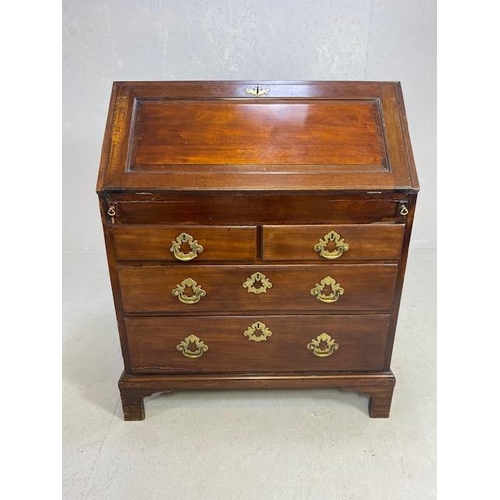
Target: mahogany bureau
[257, 234]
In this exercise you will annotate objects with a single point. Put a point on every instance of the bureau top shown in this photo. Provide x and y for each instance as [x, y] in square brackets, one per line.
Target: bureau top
[249, 135]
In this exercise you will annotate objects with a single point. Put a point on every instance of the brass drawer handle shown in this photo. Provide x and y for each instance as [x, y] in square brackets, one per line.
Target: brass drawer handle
[323, 345]
[260, 327]
[194, 297]
[257, 278]
[195, 247]
[186, 347]
[320, 288]
[332, 237]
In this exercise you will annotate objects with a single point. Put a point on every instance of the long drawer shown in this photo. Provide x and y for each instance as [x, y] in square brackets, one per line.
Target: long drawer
[256, 208]
[197, 288]
[315, 343]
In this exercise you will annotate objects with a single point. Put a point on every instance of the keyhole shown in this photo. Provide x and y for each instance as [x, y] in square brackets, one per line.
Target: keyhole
[331, 246]
[185, 248]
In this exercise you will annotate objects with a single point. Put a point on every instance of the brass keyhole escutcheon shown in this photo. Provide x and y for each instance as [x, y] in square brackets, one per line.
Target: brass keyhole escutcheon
[338, 242]
[257, 92]
[323, 345]
[194, 246]
[188, 291]
[192, 347]
[257, 332]
[259, 279]
[327, 290]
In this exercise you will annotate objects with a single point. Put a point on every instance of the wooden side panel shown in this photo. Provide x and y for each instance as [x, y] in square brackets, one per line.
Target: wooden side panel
[365, 241]
[148, 289]
[360, 339]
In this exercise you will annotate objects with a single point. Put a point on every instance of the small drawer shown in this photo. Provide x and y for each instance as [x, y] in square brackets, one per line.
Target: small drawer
[185, 243]
[333, 242]
[200, 288]
[257, 343]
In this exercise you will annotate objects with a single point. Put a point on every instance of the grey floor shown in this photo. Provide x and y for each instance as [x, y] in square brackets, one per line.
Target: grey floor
[315, 444]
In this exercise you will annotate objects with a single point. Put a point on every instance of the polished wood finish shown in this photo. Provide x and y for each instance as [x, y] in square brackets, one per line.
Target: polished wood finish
[178, 132]
[361, 339]
[378, 386]
[257, 182]
[154, 242]
[366, 242]
[200, 208]
[148, 289]
[128, 100]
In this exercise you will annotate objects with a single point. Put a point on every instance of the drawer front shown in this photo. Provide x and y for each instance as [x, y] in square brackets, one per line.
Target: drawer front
[257, 343]
[329, 243]
[196, 288]
[184, 243]
[256, 209]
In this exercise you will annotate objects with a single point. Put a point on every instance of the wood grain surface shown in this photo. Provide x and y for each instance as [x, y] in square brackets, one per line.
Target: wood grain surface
[147, 242]
[321, 135]
[148, 289]
[257, 181]
[361, 341]
[366, 242]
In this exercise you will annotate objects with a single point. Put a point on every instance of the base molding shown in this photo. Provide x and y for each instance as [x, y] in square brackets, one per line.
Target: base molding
[134, 388]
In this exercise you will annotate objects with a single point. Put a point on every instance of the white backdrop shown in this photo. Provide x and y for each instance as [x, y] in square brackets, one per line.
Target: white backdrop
[109, 40]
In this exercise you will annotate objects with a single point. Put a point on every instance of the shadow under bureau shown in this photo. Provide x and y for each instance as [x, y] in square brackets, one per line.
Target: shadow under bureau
[257, 234]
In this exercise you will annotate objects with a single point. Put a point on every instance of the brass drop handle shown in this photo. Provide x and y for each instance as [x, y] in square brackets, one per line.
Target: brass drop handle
[257, 332]
[323, 345]
[194, 247]
[332, 237]
[112, 213]
[192, 347]
[196, 291]
[403, 210]
[257, 277]
[320, 290]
